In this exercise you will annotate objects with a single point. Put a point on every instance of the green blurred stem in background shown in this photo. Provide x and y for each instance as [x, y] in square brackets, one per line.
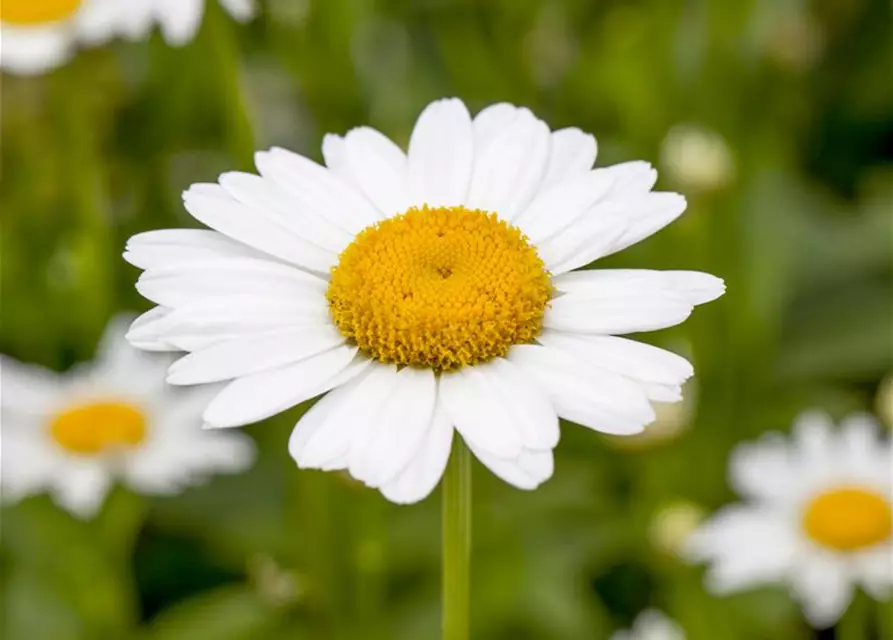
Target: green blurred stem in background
[855, 623]
[239, 129]
[456, 543]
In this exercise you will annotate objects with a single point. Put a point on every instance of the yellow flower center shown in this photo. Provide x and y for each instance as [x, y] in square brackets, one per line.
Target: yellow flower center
[439, 288]
[92, 429]
[31, 12]
[848, 519]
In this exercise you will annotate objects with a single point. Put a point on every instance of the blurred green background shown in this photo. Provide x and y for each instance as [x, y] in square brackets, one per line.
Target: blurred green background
[774, 118]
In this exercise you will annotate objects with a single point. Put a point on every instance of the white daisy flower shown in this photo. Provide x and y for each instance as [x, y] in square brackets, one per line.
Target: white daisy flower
[37, 35]
[426, 291]
[818, 516]
[74, 434]
[651, 625]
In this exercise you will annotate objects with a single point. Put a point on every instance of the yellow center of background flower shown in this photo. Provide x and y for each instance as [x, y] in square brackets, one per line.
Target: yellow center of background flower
[848, 519]
[31, 12]
[92, 429]
[439, 288]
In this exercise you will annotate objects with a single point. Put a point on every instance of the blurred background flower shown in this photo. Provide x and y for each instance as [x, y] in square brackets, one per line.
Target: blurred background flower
[790, 99]
[74, 434]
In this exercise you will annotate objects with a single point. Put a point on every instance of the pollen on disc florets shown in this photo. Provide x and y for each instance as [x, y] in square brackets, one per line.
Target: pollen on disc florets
[439, 288]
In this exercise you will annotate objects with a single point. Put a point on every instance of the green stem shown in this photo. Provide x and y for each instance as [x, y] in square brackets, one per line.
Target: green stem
[885, 620]
[856, 620]
[457, 543]
[239, 127]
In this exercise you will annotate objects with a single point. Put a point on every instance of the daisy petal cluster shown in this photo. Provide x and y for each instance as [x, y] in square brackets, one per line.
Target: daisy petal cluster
[37, 35]
[424, 292]
[818, 515]
[74, 434]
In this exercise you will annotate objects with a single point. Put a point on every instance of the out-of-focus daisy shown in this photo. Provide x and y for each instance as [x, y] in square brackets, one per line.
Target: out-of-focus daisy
[425, 291]
[74, 434]
[651, 625]
[818, 516]
[36, 35]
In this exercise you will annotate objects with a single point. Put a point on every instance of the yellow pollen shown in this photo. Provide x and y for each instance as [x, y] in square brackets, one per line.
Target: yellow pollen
[439, 288]
[92, 429]
[848, 519]
[33, 12]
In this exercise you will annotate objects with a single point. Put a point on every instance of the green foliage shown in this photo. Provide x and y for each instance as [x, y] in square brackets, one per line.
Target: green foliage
[799, 226]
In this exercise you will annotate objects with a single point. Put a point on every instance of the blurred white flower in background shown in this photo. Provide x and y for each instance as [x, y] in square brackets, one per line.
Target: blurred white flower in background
[74, 434]
[697, 158]
[818, 516]
[37, 35]
[651, 625]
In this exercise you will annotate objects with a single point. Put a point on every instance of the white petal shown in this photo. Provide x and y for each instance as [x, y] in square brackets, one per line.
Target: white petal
[224, 317]
[119, 365]
[555, 209]
[179, 20]
[170, 247]
[490, 121]
[633, 359]
[262, 395]
[441, 155]
[626, 301]
[823, 584]
[241, 10]
[266, 199]
[636, 177]
[534, 414]
[765, 471]
[317, 190]
[648, 214]
[583, 393]
[581, 243]
[142, 334]
[227, 276]
[378, 168]
[421, 475]
[747, 547]
[526, 471]
[696, 287]
[213, 206]
[82, 489]
[487, 423]
[874, 569]
[29, 461]
[398, 430]
[33, 50]
[27, 389]
[509, 169]
[815, 443]
[349, 417]
[616, 312]
[252, 354]
[573, 153]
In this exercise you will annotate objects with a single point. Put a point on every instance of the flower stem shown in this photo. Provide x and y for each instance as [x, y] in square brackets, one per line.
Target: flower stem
[456, 543]
[856, 620]
[237, 116]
